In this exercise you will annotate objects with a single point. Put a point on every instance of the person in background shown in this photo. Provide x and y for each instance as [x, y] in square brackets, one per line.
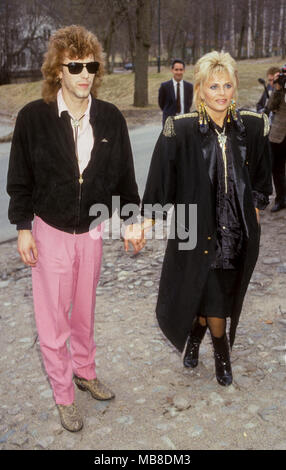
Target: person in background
[175, 95]
[277, 138]
[261, 106]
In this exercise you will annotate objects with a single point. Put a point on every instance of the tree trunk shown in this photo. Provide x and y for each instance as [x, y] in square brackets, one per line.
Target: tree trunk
[249, 40]
[258, 41]
[271, 33]
[242, 31]
[232, 29]
[131, 38]
[280, 28]
[107, 45]
[216, 19]
[143, 43]
[264, 31]
[171, 40]
[283, 35]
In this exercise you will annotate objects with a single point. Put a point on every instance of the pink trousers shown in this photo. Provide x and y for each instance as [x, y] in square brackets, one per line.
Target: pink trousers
[64, 285]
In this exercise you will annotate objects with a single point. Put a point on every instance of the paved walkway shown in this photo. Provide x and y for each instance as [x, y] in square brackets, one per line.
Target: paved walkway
[159, 404]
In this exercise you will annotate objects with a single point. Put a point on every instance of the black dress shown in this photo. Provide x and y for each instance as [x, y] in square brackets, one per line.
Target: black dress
[220, 289]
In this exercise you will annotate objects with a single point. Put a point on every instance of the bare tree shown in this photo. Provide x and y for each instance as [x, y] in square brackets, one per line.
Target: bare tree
[20, 30]
[189, 28]
[143, 43]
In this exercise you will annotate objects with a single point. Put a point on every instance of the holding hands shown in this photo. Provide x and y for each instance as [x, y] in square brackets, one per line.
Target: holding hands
[135, 234]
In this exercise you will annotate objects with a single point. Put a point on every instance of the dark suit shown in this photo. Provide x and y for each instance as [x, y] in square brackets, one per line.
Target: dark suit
[167, 99]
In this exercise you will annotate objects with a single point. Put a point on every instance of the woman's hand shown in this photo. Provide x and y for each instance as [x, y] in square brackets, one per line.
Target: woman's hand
[135, 235]
[257, 215]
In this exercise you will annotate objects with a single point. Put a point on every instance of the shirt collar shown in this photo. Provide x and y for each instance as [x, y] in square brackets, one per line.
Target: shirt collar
[63, 107]
[175, 82]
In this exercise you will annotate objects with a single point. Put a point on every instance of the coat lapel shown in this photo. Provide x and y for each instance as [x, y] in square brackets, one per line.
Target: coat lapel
[64, 135]
[99, 125]
[238, 145]
[172, 91]
[186, 103]
[208, 146]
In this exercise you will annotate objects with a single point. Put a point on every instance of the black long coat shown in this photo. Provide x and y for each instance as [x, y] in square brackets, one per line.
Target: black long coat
[182, 172]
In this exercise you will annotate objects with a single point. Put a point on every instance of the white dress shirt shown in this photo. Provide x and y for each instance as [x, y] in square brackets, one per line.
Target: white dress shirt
[181, 94]
[85, 139]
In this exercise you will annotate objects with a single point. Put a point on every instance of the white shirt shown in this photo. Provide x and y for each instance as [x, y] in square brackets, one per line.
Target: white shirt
[85, 139]
[181, 82]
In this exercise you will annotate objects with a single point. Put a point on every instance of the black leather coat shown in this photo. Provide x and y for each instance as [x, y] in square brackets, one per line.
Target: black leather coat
[182, 172]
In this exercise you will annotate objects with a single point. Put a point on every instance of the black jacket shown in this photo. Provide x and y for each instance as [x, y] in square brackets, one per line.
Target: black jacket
[167, 100]
[43, 175]
[182, 173]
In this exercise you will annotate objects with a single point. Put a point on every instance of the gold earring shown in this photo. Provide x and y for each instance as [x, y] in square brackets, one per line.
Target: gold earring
[201, 113]
[231, 111]
[203, 116]
[228, 113]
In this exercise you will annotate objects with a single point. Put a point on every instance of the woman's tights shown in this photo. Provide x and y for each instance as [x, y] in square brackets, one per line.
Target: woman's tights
[216, 325]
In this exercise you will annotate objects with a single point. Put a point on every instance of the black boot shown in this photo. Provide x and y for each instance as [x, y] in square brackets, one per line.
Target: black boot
[222, 360]
[193, 343]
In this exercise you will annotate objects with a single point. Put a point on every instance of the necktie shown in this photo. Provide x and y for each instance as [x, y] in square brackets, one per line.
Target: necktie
[178, 98]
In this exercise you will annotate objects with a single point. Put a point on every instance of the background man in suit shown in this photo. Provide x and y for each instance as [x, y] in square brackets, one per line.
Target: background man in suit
[175, 95]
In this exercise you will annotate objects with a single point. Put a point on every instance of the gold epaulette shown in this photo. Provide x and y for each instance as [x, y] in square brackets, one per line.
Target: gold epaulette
[187, 115]
[169, 130]
[264, 116]
[266, 124]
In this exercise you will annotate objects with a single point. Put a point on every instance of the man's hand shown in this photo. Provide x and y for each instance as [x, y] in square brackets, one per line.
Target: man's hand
[135, 235]
[27, 247]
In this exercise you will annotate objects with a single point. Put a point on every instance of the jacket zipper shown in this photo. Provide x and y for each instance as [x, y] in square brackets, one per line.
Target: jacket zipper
[75, 124]
[79, 198]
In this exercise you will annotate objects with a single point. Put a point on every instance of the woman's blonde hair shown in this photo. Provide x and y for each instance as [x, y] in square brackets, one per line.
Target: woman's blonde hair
[213, 63]
[75, 42]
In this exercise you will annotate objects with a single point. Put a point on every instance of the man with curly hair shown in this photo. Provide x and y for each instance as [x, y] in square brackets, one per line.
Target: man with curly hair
[70, 151]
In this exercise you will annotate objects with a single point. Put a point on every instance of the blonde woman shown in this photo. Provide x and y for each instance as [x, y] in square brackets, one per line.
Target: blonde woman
[216, 158]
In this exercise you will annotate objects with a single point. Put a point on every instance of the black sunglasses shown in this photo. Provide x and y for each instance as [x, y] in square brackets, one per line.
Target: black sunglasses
[77, 67]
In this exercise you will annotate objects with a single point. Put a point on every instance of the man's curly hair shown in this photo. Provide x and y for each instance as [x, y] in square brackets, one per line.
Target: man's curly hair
[75, 42]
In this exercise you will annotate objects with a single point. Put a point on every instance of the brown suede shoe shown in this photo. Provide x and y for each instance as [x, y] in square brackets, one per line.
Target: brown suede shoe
[70, 417]
[98, 390]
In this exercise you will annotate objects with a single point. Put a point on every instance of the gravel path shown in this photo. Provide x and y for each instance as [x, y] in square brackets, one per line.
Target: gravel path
[159, 404]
